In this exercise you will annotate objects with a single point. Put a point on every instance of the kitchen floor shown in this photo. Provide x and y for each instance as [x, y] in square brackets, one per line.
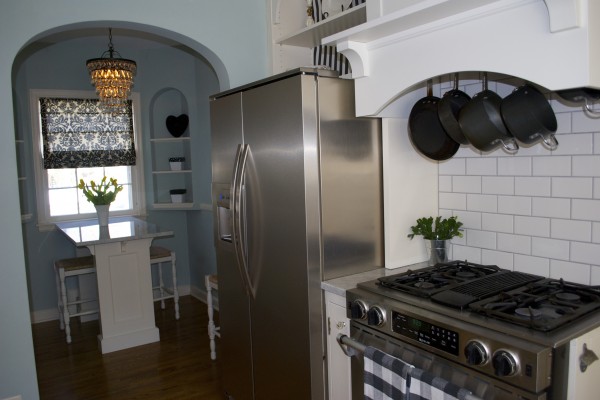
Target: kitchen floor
[177, 367]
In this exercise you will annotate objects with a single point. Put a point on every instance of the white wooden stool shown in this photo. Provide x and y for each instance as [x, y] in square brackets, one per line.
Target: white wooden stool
[65, 268]
[159, 255]
[211, 283]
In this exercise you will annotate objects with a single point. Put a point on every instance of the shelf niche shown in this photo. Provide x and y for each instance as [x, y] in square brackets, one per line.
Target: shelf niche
[167, 102]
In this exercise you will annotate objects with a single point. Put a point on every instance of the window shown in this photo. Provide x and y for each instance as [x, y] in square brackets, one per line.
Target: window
[92, 145]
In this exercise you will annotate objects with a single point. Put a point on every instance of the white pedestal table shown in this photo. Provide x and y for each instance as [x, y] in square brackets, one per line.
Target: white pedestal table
[122, 256]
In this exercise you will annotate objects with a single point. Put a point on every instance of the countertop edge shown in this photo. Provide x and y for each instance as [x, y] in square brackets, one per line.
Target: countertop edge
[339, 286]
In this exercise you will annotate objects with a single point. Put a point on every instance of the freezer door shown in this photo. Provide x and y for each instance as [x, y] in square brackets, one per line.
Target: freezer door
[226, 133]
[277, 121]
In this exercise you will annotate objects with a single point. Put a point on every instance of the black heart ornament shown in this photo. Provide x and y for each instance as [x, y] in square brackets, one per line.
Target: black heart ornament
[177, 125]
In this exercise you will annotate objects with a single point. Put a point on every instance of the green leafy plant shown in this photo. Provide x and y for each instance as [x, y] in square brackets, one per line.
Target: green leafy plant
[102, 194]
[443, 229]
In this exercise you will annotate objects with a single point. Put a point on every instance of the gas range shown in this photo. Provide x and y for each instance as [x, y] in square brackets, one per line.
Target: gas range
[502, 324]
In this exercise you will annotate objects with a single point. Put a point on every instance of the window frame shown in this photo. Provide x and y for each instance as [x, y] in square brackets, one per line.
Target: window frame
[45, 220]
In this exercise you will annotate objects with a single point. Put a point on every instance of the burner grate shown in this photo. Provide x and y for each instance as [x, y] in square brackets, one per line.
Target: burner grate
[462, 295]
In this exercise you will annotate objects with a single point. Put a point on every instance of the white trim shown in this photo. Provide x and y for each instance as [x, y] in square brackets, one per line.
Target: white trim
[45, 222]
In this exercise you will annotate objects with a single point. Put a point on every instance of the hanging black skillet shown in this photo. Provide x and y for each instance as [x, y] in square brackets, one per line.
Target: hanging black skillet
[449, 107]
[426, 131]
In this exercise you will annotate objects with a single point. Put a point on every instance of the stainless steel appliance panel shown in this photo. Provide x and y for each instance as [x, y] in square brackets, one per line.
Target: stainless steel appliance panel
[276, 237]
[351, 183]
[226, 133]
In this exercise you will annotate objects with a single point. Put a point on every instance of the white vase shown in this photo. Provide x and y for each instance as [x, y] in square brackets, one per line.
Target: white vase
[102, 211]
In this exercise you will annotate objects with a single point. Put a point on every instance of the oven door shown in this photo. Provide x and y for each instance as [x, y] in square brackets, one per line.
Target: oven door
[480, 385]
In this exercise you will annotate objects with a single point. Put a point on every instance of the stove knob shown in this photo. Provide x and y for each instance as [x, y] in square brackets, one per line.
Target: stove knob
[504, 363]
[476, 353]
[358, 309]
[376, 316]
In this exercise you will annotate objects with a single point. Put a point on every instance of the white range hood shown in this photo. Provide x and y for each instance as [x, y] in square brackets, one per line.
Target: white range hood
[552, 43]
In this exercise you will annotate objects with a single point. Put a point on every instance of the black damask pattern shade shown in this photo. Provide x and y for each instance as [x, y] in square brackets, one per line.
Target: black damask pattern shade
[79, 133]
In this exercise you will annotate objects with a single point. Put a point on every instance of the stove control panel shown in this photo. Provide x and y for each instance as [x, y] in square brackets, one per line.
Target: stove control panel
[430, 334]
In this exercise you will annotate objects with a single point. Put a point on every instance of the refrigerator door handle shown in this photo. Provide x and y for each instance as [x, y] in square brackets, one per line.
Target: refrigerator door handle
[238, 217]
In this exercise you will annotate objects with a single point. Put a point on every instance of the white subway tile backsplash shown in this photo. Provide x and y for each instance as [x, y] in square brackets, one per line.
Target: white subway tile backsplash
[571, 230]
[585, 209]
[514, 243]
[549, 207]
[500, 258]
[575, 188]
[482, 166]
[586, 166]
[497, 185]
[552, 166]
[570, 144]
[453, 201]
[581, 122]
[481, 239]
[514, 166]
[482, 202]
[532, 226]
[453, 166]
[532, 265]
[537, 211]
[588, 253]
[497, 222]
[595, 273]
[470, 220]
[550, 248]
[517, 205]
[471, 254]
[445, 183]
[563, 121]
[466, 184]
[596, 232]
[569, 271]
[538, 186]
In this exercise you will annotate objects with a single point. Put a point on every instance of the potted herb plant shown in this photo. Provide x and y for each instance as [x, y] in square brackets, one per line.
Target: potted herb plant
[437, 233]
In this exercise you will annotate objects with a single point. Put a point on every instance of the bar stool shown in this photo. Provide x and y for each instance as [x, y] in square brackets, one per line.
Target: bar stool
[159, 255]
[64, 269]
[211, 283]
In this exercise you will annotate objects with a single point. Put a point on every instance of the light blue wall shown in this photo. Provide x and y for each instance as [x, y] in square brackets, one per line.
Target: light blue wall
[231, 35]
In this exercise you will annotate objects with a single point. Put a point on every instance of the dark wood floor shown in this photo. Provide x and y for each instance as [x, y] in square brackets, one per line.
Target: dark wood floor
[177, 367]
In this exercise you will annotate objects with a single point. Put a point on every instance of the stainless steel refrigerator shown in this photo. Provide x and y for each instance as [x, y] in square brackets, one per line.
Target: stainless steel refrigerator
[297, 199]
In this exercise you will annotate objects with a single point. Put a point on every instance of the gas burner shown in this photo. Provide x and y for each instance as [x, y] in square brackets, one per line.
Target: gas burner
[424, 285]
[466, 274]
[528, 312]
[566, 296]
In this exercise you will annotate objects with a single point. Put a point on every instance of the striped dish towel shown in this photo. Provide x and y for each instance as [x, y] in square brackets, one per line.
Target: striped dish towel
[385, 376]
[426, 386]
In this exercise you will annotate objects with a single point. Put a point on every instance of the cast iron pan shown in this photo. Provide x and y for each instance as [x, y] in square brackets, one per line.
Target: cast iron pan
[482, 124]
[529, 117]
[426, 131]
[449, 107]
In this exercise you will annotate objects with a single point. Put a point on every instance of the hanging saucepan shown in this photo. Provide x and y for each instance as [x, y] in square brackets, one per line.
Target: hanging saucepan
[529, 117]
[426, 132]
[449, 107]
[585, 95]
[481, 122]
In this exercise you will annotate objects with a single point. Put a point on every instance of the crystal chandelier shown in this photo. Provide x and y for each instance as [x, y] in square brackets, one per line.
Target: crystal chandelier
[112, 77]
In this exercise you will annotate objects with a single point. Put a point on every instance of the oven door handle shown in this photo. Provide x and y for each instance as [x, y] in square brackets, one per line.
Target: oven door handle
[349, 346]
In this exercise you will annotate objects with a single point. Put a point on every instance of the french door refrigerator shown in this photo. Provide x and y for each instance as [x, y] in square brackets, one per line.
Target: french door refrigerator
[297, 199]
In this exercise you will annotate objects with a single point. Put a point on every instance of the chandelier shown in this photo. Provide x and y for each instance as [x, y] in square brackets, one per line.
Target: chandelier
[112, 77]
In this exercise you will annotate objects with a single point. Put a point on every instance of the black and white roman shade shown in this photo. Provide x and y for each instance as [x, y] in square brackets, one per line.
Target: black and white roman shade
[79, 133]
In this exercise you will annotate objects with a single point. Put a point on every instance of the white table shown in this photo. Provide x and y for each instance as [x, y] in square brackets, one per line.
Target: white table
[122, 254]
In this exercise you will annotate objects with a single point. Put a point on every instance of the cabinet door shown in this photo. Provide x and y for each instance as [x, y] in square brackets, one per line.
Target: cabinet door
[584, 384]
[338, 364]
